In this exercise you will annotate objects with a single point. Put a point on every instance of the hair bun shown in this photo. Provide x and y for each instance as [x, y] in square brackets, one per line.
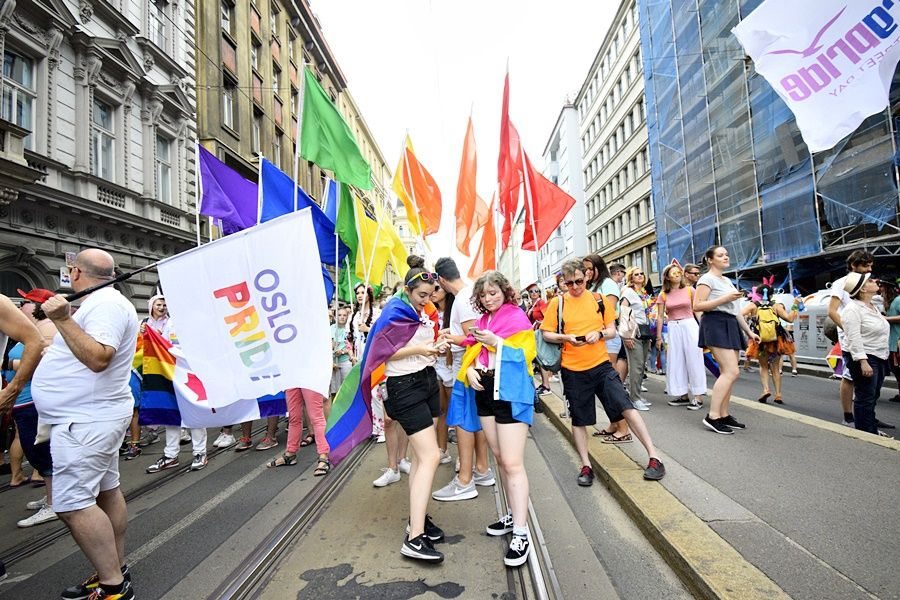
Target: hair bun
[415, 262]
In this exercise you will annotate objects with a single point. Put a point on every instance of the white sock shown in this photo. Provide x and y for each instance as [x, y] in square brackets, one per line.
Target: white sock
[522, 531]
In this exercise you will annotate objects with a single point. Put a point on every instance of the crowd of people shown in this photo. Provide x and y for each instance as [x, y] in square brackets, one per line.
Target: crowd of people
[462, 372]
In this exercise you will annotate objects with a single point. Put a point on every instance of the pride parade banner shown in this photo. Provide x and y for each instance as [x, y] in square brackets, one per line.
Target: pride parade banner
[831, 61]
[251, 309]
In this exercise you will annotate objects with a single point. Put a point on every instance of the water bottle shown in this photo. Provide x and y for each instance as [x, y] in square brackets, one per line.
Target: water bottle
[798, 299]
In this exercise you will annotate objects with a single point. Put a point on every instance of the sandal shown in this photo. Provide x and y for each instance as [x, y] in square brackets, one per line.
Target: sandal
[322, 467]
[764, 397]
[308, 440]
[612, 439]
[777, 399]
[603, 433]
[285, 460]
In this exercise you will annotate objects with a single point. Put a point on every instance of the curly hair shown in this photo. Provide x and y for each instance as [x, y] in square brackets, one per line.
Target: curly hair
[494, 278]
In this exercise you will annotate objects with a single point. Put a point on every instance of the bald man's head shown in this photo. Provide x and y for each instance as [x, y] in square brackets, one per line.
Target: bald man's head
[93, 265]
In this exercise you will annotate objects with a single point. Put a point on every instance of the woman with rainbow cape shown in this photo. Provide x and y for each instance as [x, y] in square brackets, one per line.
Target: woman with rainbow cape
[494, 391]
[402, 346]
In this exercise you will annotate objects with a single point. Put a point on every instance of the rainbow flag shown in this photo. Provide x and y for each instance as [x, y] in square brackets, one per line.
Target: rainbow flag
[350, 421]
[159, 406]
[835, 360]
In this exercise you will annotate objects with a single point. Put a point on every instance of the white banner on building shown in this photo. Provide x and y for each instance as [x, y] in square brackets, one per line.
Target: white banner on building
[251, 310]
[832, 61]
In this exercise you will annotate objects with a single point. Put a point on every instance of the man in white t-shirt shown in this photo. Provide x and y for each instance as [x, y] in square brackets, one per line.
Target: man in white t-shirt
[859, 261]
[462, 317]
[81, 390]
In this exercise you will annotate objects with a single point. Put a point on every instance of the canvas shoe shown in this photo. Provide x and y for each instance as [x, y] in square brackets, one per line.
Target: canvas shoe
[640, 405]
[454, 491]
[682, 401]
[421, 548]
[485, 479]
[43, 515]
[244, 443]
[519, 546]
[388, 477]
[200, 461]
[83, 590]
[655, 470]
[694, 405]
[37, 504]
[162, 464]
[403, 465]
[501, 527]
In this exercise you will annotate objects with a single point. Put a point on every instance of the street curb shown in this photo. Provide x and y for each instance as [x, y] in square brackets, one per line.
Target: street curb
[708, 565]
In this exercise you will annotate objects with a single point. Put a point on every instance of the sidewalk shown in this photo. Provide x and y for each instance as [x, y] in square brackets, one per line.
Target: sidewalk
[792, 506]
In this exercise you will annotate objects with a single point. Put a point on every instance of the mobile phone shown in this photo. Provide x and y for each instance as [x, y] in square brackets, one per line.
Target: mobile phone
[473, 330]
[580, 338]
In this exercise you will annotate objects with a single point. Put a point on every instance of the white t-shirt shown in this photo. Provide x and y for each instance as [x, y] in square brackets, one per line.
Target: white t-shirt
[837, 291]
[65, 390]
[423, 336]
[461, 312]
[718, 287]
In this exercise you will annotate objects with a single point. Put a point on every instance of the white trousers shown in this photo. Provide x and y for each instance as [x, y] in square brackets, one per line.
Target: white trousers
[685, 372]
[173, 441]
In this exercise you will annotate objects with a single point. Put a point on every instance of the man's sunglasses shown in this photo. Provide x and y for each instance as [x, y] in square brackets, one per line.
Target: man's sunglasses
[424, 276]
[575, 282]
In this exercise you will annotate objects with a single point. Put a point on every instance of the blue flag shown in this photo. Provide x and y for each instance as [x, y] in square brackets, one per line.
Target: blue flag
[278, 199]
[331, 199]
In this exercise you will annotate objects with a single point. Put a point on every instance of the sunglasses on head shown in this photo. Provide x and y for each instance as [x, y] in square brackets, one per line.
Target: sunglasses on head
[424, 276]
[575, 282]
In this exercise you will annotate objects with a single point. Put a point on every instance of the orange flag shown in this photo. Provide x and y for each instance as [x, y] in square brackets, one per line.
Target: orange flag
[417, 189]
[485, 258]
[550, 204]
[510, 170]
[465, 193]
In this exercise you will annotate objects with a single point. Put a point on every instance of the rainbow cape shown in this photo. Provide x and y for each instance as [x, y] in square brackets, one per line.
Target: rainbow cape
[835, 360]
[350, 421]
[513, 372]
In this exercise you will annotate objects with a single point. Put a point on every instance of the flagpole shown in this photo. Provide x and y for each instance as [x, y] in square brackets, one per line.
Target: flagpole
[299, 110]
[530, 200]
[412, 192]
[359, 241]
[198, 189]
[259, 191]
[337, 245]
[374, 247]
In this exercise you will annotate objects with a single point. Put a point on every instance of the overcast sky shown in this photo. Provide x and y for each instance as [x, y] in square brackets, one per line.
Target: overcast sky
[423, 65]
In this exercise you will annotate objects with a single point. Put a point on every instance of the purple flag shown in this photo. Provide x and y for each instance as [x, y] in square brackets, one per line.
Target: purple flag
[227, 196]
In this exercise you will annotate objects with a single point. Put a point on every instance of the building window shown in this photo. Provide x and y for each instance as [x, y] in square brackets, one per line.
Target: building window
[273, 20]
[276, 150]
[163, 170]
[228, 92]
[158, 22]
[254, 56]
[18, 92]
[291, 47]
[256, 133]
[227, 16]
[276, 78]
[103, 136]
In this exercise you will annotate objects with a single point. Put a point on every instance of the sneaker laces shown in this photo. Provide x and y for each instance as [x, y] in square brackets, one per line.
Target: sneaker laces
[586, 470]
[507, 520]
[654, 463]
[518, 543]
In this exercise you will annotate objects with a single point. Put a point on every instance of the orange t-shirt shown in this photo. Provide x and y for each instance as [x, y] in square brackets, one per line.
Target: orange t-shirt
[580, 317]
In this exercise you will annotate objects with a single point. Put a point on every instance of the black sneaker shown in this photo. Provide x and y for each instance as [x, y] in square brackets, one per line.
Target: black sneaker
[732, 422]
[586, 477]
[655, 470]
[432, 531]
[83, 590]
[2, 571]
[683, 401]
[501, 527]
[127, 593]
[881, 425]
[717, 426]
[420, 548]
[518, 551]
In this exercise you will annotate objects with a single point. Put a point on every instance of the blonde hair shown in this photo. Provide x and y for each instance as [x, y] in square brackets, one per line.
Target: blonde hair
[629, 272]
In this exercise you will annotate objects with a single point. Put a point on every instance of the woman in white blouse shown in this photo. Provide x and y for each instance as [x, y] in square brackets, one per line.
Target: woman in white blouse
[866, 336]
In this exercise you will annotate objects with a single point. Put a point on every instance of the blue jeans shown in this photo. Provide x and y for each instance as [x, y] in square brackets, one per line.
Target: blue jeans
[866, 391]
[26, 418]
[651, 362]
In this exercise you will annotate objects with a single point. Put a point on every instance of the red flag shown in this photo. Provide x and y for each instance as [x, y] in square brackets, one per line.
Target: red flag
[465, 193]
[510, 170]
[550, 205]
[485, 257]
[423, 190]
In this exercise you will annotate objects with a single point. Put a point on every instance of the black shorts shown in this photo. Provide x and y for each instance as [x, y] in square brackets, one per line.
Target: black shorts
[488, 407]
[413, 400]
[602, 381]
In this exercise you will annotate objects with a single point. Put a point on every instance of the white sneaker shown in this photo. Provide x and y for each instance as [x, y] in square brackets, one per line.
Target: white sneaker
[185, 436]
[404, 465]
[644, 388]
[219, 440]
[44, 515]
[226, 440]
[200, 461]
[483, 479]
[37, 504]
[456, 491]
[554, 378]
[380, 438]
[387, 478]
[640, 405]
[445, 457]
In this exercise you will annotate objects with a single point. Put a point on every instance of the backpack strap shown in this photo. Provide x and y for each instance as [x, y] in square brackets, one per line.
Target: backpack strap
[599, 297]
[559, 314]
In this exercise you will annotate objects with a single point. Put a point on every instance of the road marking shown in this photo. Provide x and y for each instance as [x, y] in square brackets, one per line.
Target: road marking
[17, 579]
[148, 548]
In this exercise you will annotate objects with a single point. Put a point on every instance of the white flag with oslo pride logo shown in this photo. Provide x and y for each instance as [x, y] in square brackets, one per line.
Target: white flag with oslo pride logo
[251, 311]
[832, 61]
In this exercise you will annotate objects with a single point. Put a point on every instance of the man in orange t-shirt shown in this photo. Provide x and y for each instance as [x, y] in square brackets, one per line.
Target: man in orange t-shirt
[588, 319]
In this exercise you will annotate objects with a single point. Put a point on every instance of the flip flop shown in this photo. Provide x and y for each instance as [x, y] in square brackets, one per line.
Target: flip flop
[38, 484]
[23, 484]
[764, 397]
[308, 440]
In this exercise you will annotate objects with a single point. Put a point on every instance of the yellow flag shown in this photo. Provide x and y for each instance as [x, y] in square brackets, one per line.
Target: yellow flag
[398, 250]
[374, 247]
[400, 189]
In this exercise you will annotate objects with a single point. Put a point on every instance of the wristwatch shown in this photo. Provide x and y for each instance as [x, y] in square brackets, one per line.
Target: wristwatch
[601, 334]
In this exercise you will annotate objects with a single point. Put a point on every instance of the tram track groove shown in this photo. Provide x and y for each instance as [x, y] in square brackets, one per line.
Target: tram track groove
[248, 580]
[50, 537]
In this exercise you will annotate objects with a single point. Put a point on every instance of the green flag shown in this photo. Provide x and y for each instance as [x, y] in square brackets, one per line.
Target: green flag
[346, 230]
[326, 140]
